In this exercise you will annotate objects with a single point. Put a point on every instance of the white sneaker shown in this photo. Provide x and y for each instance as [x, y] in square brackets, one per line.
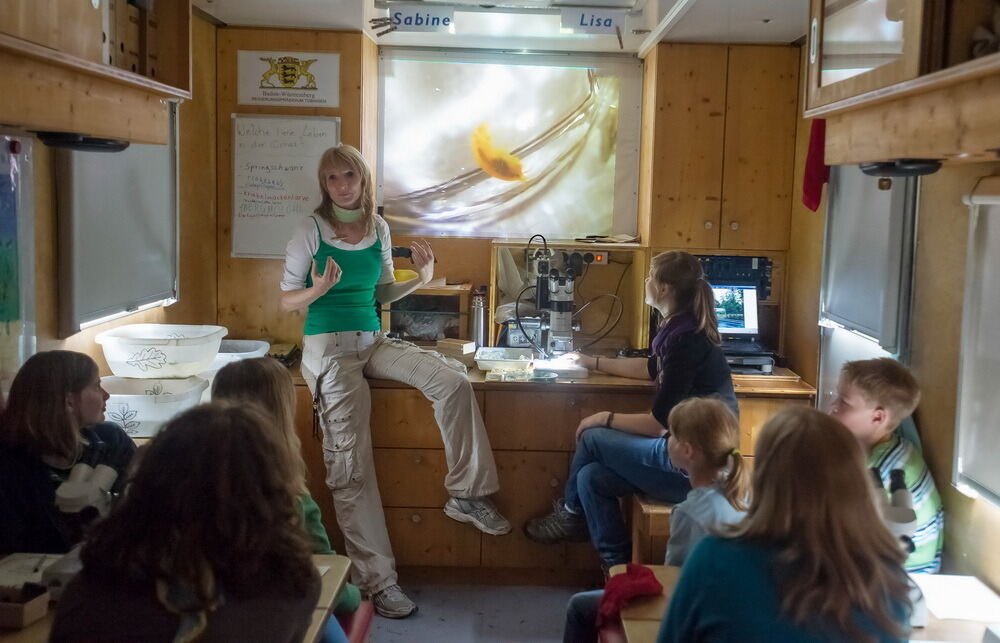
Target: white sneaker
[391, 602]
[481, 512]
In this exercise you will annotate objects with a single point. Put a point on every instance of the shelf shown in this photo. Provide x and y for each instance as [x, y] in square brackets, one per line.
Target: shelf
[105, 72]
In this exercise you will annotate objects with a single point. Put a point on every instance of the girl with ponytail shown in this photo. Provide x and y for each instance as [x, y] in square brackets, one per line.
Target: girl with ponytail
[620, 454]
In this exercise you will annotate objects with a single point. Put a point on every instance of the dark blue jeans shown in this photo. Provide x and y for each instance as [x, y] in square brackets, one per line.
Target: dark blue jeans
[609, 464]
[581, 617]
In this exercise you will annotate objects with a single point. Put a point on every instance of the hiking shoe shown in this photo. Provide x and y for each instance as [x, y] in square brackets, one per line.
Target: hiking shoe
[481, 512]
[391, 602]
[559, 526]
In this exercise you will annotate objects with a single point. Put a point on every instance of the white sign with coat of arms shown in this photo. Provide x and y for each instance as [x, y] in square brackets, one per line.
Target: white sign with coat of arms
[288, 78]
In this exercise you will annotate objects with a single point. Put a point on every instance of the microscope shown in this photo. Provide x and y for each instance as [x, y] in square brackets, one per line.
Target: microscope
[554, 301]
[901, 520]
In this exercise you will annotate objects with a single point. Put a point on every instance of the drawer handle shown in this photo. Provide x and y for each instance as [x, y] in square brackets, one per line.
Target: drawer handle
[416, 518]
[813, 41]
[708, 225]
[734, 225]
[571, 401]
[417, 459]
[554, 482]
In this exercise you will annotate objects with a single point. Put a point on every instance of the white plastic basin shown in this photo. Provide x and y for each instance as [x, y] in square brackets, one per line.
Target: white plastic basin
[160, 350]
[142, 406]
[493, 358]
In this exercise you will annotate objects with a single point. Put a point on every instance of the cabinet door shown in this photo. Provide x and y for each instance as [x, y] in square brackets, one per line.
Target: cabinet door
[760, 147]
[427, 537]
[530, 421]
[411, 477]
[529, 482]
[70, 26]
[755, 412]
[686, 151]
[857, 47]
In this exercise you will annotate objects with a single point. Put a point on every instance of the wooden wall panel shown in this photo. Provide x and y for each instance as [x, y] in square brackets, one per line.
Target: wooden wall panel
[805, 266]
[647, 134]
[759, 147]
[687, 145]
[972, 527]
[70, 26]
[197, 302]
[248, 288]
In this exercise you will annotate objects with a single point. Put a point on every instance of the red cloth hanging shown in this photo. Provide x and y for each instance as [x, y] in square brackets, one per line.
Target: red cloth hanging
[638, 580]
[817, 172]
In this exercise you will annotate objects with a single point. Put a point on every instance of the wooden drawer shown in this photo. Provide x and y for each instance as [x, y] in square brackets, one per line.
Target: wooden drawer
[530, 421]
[529, 482]
[411, 477]
[588, 404]
[404, 418]
[754, 412]
[427, 537]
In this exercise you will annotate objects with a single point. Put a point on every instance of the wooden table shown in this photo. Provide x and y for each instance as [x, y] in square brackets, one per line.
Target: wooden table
[641, 619]
[332, 581]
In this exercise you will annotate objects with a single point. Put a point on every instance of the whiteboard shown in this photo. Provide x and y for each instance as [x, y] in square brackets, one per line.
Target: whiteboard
[274, 178]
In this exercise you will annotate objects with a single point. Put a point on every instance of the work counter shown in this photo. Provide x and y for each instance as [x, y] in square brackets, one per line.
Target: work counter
[531, 429]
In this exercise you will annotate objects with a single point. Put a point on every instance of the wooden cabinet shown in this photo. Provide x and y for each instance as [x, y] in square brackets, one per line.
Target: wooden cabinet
[859, 46]
[57, 78]
[531, 430]
[759, 158]
[718, 171]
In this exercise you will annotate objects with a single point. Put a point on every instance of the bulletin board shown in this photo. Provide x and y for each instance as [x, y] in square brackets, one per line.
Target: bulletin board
[274, 178]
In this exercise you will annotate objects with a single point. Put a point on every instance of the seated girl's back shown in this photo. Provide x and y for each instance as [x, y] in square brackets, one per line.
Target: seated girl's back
[207, 542]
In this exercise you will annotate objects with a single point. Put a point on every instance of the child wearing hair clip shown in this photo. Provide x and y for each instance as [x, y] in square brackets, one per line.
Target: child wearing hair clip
[703, 440]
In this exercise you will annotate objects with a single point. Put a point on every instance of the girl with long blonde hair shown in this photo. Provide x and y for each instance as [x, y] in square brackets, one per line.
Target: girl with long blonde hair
[812, 560]
[620, 454]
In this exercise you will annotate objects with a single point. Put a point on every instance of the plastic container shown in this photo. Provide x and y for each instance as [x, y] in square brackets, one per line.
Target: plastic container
[493, 358]
[142, 406]
[160, 350]
[232, 350]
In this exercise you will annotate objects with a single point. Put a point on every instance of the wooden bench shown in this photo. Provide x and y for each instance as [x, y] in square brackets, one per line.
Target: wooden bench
[650, 530]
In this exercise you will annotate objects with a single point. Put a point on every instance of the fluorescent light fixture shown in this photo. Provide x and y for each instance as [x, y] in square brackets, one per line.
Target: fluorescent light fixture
[125, 313]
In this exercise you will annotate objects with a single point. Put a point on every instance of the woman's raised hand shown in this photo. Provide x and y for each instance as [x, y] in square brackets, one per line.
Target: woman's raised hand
[423, 259]
[330, 277]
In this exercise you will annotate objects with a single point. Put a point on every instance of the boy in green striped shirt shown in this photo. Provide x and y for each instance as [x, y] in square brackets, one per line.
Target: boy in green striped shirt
[873, 397]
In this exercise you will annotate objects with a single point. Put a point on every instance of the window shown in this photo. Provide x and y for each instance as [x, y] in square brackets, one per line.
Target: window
[507, 144]
[977, 436]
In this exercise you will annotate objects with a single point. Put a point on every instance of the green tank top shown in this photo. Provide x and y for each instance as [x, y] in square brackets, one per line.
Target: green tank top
[350, 304]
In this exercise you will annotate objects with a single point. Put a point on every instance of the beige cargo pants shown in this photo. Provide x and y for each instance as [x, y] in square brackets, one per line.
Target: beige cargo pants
[335, 366]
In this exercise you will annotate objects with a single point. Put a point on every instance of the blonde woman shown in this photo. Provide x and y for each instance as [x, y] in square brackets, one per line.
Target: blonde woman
[338, 264]
[264, 381]
[812, 560]
[618, 454]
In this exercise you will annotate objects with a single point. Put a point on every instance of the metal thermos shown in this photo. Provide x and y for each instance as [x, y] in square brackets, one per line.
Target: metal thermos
[478, 320]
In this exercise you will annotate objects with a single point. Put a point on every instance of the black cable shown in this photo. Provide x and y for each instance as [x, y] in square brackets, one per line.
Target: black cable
[621, 312]
[545, 244]
[517, 318]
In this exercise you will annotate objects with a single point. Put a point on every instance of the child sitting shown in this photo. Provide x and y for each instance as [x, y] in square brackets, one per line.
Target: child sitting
[810, 562]
[873, 397]
[703, 440]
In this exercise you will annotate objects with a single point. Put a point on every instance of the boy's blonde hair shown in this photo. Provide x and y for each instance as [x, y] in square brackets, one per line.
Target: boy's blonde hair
[709, 425]
[886, 383]
[812, 499]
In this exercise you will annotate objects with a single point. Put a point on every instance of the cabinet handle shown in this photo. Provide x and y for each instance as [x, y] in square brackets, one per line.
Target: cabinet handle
[708, 225]
[554, 482]
[813, 42]
[734, 225]
[416, 518]
[571, 402]
[417, 459]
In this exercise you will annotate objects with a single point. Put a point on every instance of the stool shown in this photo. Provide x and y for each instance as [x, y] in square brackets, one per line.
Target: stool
[358, 624]
[650, 530]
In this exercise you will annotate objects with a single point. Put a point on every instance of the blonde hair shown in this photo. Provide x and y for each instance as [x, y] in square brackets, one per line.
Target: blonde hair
[885, 382]
[709, 425]
[690, 290]
[264, 382]
[812, 498]
[346, 155]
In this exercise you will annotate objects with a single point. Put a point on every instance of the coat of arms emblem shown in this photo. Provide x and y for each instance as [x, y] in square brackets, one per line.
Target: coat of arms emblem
[288, 70]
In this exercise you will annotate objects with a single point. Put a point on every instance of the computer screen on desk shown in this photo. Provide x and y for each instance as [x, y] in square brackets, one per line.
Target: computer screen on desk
[736, 309]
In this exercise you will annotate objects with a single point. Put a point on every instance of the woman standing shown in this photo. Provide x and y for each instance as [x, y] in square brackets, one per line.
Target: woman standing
[338, 264]
[619, 454]
[54, 419]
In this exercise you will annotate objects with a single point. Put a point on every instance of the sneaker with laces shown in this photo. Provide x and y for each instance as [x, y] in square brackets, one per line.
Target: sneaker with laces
[481, 512]
[391, 602]
[559, 526]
